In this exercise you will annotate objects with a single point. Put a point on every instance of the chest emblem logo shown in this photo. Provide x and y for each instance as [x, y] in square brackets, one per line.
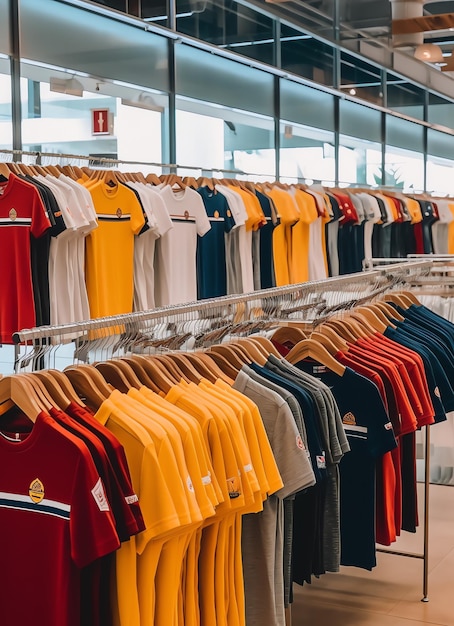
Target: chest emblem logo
[186, 215]
[349, 418]
[119, 213]
[13, 215]
[36, 491]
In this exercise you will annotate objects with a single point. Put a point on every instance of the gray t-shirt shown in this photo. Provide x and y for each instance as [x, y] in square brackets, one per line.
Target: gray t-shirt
[263, 533]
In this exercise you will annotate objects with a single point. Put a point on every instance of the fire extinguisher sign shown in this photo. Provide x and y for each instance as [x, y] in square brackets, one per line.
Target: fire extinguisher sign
[100, 122]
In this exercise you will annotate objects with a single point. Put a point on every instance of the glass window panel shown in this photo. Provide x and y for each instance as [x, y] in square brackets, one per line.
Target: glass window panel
[205, 76]
[404, 169]
[154, 11]
[404, 134]
[440, 144]
[404, 97]
[440, 111]
[307, 106]
[58, 34]
[118, 5]
[361, 79]
[440, 163]
[229, 25]
[5, 45]
[63, 123]
[6, 127]
[439, 176]
[221, 138]
[306, 56]
[360, 161]
[306, 155]
[359, 121]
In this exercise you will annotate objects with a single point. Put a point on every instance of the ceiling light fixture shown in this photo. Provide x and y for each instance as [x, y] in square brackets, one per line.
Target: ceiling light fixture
[429, 53]
[69, 86]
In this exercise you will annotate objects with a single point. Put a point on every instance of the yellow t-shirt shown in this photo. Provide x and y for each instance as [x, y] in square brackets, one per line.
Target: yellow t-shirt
[269, 463]
[414, 209]
[218, 440]
[299, 267]
[171, 454]
[157, 506]
[249, 480]
[282, 234]
[109, 261]
[241, 412]
[200, 479]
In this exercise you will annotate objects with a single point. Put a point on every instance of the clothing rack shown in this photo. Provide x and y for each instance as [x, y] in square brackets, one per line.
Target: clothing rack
[298, 292]
[262, 300]
[110, 162]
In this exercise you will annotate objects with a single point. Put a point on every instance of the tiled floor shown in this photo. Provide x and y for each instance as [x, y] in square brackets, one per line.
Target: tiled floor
[391, 594]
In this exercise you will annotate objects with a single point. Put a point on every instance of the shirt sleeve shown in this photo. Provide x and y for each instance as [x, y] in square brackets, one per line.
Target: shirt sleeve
[92, 526]
[201, 217]
[40, 219]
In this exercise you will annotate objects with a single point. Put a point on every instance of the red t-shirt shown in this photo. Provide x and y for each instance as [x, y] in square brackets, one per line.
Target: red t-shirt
[22, 213]
[55, 519]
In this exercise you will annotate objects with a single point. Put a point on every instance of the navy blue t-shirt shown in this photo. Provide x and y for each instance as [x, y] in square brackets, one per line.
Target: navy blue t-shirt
[370, 435]
[211, 263]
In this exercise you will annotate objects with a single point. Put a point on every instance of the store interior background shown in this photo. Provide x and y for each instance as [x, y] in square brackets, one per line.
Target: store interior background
[299, 92]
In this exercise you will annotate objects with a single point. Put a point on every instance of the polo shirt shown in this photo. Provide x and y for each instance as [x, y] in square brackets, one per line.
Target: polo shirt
[50, 490]
[22, 214]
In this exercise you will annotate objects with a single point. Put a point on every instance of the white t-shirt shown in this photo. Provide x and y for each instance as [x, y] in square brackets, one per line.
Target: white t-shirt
[176, 269]
[238, 245]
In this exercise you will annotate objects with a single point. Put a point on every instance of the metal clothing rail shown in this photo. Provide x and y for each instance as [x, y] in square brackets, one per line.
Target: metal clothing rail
[297, 291]
[109, 161]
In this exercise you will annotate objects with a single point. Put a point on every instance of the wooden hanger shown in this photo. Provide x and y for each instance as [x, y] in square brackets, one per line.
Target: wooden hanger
[332, 347]
[115, 374]
[253, 351]
[288, 335]
[411, 297]
[267, 344]
[399, 299]
[309, 348]
[333, 336]
[186, 366]
[4, 170]
[203, 181]
[152, 179]
[347, 328]
[17, 390]
[190, 181]
[228, 353]
[66, 386]
[155, 372]
[224, 364]
[110, 178]
[141, 374]
[368, 319]
[52, 170]
[389, 311]
[207, 367]
[40, 390]
[168, 368]
[89, 384]
[53, 388]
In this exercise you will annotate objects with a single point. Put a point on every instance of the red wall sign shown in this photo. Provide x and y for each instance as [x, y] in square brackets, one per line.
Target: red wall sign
[100, 123]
